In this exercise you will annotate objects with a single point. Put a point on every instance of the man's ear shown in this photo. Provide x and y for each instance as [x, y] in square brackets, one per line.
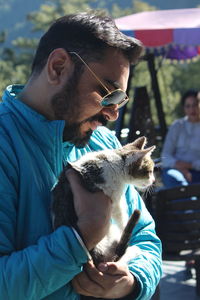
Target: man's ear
[59, 66]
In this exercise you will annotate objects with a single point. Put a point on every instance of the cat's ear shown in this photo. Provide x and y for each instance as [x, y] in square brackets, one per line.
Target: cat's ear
[140, 142]
[149, 150]
[139, 154]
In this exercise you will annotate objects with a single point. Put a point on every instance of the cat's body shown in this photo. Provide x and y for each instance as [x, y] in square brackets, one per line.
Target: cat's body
[110, 171]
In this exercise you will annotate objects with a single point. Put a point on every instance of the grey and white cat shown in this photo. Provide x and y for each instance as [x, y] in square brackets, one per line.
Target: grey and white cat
[109, 170]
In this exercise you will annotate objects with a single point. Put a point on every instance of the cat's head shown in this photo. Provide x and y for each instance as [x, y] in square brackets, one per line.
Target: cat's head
[138, 164]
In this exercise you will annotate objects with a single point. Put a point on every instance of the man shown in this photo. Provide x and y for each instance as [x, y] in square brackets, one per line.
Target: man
[78, 82]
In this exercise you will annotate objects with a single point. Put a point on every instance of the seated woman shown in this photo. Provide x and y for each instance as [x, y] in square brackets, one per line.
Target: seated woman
[181, 150]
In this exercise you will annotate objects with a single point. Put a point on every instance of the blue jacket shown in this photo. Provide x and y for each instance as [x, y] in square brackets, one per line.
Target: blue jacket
[36, 263]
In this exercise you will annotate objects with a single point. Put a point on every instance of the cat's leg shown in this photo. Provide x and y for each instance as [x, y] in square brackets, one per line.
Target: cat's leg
[105, 249]
[120, 213]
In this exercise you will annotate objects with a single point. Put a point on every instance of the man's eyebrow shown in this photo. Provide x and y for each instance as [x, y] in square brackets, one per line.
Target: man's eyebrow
[113, 83]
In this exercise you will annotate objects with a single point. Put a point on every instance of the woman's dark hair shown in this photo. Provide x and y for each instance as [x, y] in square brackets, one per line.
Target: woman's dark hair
[189, 93]
[88, 34]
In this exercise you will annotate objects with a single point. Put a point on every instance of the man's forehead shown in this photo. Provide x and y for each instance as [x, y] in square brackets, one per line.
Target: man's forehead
[113, 70]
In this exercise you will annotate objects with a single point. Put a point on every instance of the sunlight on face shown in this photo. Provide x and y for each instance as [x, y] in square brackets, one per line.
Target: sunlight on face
[192, 109]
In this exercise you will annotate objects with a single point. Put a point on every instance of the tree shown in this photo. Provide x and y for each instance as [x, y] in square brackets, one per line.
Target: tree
[137, 6]
[55, 9]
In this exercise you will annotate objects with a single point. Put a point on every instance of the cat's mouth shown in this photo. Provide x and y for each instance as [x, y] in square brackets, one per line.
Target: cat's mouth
[144, 185]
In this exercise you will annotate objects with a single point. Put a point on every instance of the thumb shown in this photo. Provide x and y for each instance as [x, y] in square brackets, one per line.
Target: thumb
[74, 180]
[108, 268]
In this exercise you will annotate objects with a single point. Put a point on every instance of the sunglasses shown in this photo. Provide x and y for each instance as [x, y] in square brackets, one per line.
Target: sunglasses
[117, 96]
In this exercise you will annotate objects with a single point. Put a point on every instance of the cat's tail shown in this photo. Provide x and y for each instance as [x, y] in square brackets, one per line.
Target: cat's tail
[126, 235]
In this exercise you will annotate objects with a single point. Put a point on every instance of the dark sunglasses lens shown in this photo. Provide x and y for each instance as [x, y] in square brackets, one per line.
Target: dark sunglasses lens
[116, 97]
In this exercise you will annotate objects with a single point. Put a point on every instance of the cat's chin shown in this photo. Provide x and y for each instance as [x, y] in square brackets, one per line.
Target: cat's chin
[143, 187]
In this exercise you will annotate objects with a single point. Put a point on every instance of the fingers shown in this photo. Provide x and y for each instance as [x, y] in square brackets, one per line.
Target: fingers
[104, 279]
[122, 282]
[87, 283]
[79, 286]
[188, 176]
[93, 272]
[85, 286]
[112, 268]
[91, 282]
[74, 180]
[93, 211]
[103, 267]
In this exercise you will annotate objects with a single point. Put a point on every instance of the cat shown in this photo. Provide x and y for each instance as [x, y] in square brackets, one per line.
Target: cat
[108, 170]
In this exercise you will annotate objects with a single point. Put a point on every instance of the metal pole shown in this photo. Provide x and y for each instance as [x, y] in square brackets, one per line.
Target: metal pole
[155, 87]
[120, 121]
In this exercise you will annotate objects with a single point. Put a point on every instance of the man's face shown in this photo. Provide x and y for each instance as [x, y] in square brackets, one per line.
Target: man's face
[79, 102]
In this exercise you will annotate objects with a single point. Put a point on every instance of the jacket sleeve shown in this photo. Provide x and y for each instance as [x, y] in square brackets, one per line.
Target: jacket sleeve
[169, 147]
[196, 165]
[147, 266]
[38, 270]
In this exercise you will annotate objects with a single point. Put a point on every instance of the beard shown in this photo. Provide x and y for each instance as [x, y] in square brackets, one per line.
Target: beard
[73, 134]
[65, 105]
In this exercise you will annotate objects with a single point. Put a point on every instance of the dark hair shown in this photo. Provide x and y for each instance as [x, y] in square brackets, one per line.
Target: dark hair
[190, 93]
[88, 34]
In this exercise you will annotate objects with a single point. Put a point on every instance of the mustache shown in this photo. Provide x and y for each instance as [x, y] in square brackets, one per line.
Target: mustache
[99, 118]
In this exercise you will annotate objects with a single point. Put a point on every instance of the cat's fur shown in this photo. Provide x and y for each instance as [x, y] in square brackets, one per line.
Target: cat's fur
[108, 170]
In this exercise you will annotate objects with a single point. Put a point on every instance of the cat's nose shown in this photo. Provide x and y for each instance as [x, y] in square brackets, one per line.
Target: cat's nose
[111, 113]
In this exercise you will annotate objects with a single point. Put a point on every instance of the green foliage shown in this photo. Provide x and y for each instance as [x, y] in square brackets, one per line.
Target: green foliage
[142, 6]
[4, 7]
[3, 35]
[136, 6]
[173, 78]
[25, 43]
[54, 9]
[8, 74]
[15, 63]
[187, 76]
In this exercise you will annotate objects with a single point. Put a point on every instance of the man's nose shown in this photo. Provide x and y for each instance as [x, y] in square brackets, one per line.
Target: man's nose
[111, 112]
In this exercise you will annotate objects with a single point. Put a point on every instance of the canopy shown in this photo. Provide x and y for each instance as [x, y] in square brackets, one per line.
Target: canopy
[174, 34]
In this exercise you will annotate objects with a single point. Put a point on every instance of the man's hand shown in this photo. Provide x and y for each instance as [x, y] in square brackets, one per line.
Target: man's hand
[184, 167]
[110, 280]
[93, 211]
[186, 173]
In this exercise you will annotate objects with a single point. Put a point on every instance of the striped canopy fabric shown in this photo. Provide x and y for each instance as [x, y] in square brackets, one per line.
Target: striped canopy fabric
[174, 34]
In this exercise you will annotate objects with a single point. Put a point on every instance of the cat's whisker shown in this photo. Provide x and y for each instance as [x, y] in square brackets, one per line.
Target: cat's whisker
[152, 188]
[149, 191]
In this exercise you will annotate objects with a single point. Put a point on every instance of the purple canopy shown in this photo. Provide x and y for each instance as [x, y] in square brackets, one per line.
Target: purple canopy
[174, 34]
